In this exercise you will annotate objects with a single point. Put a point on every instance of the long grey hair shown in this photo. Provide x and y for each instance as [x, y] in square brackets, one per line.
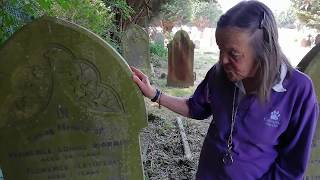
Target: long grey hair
[257, 19]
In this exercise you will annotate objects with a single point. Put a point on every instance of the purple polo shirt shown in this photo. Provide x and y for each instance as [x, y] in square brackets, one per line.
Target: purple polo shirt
[270, 141]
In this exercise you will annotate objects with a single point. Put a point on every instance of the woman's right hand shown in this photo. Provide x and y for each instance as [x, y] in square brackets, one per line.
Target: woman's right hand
[143, 83]
[176, 104]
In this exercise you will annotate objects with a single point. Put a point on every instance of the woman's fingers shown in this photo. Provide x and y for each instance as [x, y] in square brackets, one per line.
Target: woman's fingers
[143, 82]
[138, 81]
[138, 73]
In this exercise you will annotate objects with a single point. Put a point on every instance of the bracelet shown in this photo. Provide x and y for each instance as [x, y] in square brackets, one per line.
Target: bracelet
[159, 100]
[156, 97]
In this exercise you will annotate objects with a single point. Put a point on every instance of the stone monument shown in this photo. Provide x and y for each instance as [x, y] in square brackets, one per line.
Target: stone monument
[69, 108]
[158, 37]
[1, 176]
[310, 65]
[180, 60]
[136, 48]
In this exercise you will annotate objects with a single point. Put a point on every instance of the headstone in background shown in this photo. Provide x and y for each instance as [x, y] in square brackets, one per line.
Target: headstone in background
[317, 39]
[310, 65]
[158, 37]
[306, 42]
[135, 45]
[197, 44]
[180, 60]
[1, 176]
[69, 108]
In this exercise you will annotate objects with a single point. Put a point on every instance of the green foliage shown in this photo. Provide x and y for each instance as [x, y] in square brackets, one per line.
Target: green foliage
[210, 11]
[114, 30]
[158, 49]
[286, 18]
[121, 7]
[95, 15]
[90, 14]
[308, 12]
[15, 13]
[186, 11]
[177, 10]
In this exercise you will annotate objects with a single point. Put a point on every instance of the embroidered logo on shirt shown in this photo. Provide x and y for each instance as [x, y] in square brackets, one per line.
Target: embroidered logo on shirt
[273, 120]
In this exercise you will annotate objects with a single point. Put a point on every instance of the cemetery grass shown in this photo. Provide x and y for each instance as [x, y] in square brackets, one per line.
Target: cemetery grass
[161, 143]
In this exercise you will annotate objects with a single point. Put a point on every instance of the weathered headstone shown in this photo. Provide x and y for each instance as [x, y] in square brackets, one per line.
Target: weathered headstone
[180, 60]
[197, 44]
[306, 42]
[158, 37]
[69, 108]
[135, 45]
[310, 65]
[317, 39]
[1, 176]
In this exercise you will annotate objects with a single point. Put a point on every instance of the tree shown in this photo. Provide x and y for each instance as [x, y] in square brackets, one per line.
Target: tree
[205, 14]
[308, 12]
[175, 12]
[286, 18]
[93, 15]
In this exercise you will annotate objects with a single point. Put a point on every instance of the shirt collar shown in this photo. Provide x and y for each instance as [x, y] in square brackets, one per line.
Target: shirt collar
[277, 87]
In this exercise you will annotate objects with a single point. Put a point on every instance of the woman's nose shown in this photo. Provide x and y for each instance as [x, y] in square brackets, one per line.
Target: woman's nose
[224, 59]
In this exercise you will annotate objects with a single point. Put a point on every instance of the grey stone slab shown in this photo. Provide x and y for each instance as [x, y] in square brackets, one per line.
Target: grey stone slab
[310, 65]
[69, 108]
[136, 48]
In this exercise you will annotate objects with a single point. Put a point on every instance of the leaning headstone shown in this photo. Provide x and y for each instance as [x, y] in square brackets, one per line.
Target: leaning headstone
[69, 108]
[158, 37]
[310, 65]
[180, 60]
[135, 46]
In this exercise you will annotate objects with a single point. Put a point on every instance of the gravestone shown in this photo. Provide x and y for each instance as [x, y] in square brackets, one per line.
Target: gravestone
[197, 44]
[317, 39]
[69, 108]
[180, 60]
[135, 45]
[310, 65]
[158, 37]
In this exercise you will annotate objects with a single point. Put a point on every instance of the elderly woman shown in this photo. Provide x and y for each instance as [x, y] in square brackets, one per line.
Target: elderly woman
[264, 111]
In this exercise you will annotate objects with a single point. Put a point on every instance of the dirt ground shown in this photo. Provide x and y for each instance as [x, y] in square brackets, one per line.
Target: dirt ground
[161, 143]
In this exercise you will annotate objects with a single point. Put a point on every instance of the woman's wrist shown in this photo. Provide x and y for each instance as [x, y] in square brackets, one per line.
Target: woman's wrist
[156, 96]
[152, 94]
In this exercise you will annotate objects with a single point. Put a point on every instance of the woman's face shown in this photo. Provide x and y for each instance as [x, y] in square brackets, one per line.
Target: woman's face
[236, 53]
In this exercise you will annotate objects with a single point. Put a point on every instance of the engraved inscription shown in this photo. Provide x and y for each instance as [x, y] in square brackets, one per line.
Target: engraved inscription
[74, 161]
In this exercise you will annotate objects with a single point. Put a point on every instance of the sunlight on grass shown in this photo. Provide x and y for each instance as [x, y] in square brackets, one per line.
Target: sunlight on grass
[180, 92]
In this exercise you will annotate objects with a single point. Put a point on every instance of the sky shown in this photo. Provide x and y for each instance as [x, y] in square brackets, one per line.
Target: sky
[274, 5]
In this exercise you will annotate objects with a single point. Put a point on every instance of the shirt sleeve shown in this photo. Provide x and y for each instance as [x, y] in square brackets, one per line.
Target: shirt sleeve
[295, 143]
[199, 102]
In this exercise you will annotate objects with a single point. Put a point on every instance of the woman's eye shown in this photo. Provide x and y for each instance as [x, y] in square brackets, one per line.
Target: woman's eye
[235, 55]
